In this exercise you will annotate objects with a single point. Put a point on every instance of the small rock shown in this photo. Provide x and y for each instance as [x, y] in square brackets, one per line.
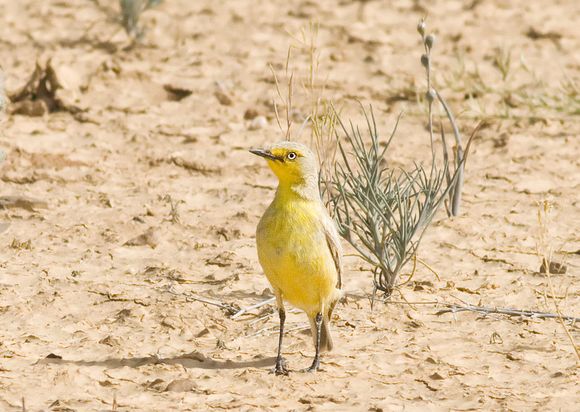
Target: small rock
[181, 385]
[436, 376]
[177, 93]
[32, 108]
[202, 333]
[250, 114]
[554, 267]
[259, 122]
[149, 238]
[157, 384]
[223, 98]
[109, 341]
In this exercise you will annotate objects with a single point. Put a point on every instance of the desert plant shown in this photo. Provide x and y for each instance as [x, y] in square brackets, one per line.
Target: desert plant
[383, 212]
[131, 12]
[432, 94]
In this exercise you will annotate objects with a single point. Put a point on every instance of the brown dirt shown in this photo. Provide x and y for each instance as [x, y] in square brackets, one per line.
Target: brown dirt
[147, 198]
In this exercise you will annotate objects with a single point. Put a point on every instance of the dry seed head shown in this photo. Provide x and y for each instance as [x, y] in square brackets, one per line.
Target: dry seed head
[430, 95]
[430, 41]
[421, 27]
[425, 61]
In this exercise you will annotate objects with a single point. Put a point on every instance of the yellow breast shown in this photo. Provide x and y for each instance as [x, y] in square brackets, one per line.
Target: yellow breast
[294, 253]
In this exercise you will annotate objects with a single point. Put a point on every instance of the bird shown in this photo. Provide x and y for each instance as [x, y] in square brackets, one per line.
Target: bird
[299, 246]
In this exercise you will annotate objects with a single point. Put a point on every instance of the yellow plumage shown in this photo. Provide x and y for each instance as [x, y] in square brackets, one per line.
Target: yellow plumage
[298, 245]
[293, 253]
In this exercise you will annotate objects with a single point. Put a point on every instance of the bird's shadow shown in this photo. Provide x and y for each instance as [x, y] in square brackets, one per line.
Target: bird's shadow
[190, 360]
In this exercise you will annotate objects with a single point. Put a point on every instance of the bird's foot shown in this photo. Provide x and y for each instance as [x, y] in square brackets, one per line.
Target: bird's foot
[314, 367]
[280, 368]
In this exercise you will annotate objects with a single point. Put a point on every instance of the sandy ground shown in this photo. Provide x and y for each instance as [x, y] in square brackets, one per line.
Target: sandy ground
[86, 319]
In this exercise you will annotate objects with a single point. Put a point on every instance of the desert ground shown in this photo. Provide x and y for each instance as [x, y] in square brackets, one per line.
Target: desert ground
[132, 204]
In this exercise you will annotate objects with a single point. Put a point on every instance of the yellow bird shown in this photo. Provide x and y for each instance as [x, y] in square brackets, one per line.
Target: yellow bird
[298, 245]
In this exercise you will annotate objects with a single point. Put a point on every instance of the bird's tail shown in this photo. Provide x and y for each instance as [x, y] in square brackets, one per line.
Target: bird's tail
[325, 338]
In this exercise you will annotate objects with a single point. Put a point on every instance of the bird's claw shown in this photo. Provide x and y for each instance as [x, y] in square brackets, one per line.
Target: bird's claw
[280, 368]
[313, 368]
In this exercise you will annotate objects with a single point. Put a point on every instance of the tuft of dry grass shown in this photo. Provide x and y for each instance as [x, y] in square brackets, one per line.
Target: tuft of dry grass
[302, 95]
[501, 97]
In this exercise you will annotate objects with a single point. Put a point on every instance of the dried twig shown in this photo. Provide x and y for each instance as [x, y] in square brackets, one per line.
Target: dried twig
[256, 306]
[190, 296]
[275, 329]
[452, 308]
[286, 101]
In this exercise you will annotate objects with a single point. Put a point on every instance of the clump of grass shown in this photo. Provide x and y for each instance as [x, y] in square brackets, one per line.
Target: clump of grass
[306, 86]
[524, 95]
[131, 11]
[18, 245]
[321, 115]
[383, 212]
[502, 60]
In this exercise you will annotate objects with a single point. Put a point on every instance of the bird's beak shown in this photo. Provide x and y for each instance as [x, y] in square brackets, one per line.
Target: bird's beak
[264, 153]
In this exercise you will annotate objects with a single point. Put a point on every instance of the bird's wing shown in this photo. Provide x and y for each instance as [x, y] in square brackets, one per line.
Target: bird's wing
[333, 242]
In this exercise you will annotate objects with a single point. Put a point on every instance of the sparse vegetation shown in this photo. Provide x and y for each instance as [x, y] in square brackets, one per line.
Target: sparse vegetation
[548, 265]
[131, 11]
[153, 302]
[505, 98]
[383, 212]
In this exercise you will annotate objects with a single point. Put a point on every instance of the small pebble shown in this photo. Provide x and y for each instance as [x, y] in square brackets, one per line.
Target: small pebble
[259, 122]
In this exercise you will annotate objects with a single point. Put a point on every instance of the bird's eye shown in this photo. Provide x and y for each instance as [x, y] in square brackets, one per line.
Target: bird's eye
[291, 156]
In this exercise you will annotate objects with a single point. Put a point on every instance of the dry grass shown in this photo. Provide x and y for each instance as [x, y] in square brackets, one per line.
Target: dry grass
[545, 251]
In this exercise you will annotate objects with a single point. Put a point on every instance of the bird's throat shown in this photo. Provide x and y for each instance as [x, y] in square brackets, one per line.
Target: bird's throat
[303, 190]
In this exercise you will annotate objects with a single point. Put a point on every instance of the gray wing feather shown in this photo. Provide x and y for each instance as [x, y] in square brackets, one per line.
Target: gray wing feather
[333, 242]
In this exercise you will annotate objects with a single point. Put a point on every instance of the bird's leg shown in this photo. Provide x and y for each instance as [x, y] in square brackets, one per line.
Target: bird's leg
[316, 361]
[280, 368]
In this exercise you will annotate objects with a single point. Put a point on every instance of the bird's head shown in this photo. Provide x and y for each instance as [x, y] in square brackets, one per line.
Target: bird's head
[293, 163]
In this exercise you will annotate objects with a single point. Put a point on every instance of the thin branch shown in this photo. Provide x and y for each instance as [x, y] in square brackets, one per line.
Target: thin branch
[250, 308]
[191, 296]
[451, 308]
